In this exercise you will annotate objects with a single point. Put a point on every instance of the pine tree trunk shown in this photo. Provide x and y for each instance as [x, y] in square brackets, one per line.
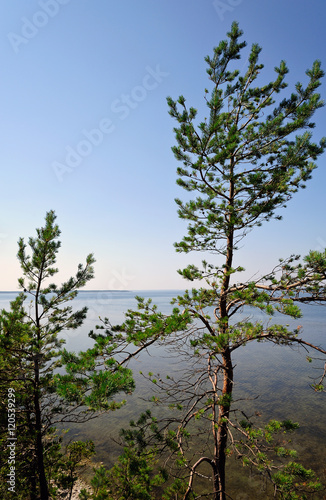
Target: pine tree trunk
[38, 415]
[39, 442]
[33, 494]
[224, 407]
[31, 427]
[222, 433]
[41, 470]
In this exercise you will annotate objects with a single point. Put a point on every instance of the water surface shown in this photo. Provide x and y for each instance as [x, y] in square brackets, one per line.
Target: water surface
[272, 380]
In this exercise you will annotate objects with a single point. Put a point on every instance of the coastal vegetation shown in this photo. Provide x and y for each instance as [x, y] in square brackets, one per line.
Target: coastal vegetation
[243, 161]
[49, 385]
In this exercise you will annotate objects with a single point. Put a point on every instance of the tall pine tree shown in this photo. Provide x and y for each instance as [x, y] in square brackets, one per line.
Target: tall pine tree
[52, 385]
[30, 353]
[241, 164]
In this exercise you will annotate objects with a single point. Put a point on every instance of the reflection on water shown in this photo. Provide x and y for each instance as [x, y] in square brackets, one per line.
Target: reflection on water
[272, 380]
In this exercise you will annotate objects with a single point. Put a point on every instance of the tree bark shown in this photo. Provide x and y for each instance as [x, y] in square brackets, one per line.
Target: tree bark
[39, 442]
[224, 407]
[222, 432]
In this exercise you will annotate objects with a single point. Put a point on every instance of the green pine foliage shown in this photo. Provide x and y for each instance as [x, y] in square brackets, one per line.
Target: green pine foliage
[30, 353]
[136, 475]
[246, 156]
[52, 385]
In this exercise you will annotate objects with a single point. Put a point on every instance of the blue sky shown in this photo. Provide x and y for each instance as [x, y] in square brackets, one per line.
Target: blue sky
[86, 132]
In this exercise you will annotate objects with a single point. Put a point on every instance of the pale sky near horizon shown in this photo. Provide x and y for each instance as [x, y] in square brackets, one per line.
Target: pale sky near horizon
[86, 132]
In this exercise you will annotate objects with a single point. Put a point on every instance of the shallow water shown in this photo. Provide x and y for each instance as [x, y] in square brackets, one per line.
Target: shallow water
[272, 380]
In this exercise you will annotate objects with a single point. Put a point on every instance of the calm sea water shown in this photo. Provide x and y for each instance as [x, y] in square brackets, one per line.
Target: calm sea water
[272, 380]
